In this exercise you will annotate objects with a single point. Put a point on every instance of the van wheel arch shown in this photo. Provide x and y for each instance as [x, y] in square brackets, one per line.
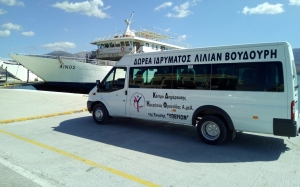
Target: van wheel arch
[212, 110]
[100, 114]
[212, 130]
[99, 102]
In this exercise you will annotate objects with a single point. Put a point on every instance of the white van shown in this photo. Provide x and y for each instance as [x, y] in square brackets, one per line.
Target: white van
[220, 90]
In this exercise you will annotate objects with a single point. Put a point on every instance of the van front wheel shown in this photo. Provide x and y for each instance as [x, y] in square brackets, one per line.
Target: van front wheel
[211, 130]
[100, 114]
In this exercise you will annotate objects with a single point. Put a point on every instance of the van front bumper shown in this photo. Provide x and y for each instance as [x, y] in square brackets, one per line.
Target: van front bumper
[89, 106]
[285, 127]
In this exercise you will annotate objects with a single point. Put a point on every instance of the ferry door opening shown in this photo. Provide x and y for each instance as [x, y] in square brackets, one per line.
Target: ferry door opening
[136, 45]
[114, 91]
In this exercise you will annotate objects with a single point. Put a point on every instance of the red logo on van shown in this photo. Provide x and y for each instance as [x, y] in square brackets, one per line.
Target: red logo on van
[137, 101]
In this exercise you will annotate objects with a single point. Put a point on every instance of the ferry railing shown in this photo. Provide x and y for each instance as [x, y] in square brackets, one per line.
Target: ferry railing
[133, 51]
[139, 50]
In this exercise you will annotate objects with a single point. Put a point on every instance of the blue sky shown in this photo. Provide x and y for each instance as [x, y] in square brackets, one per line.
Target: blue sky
[43, 26]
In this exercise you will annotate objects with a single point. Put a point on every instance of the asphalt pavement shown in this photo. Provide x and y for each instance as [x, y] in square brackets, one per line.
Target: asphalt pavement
[55, 142]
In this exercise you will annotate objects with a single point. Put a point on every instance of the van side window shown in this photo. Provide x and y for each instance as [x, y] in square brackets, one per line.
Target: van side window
[151, 77]
[223, 77]
[257, 76]
[166, 75]
[272, 77]
[247, 78]
[192, 76]
[254, 76]
[115, 80]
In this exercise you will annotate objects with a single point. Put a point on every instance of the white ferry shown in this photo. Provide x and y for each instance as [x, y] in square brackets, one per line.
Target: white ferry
[72, 73]
[66, 73]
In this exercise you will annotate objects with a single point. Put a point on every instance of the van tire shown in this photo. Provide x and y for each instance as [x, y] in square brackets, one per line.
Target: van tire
[100, 114]
[211, 130]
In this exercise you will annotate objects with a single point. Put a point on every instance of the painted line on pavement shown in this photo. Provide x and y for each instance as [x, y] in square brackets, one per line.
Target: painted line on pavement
[81, 159]
[26, 174]
[42, 116]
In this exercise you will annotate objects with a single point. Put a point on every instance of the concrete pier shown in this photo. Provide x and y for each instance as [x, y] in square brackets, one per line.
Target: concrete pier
[51, 140]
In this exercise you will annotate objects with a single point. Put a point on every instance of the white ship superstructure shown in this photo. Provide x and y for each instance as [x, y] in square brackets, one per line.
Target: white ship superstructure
[116, 45]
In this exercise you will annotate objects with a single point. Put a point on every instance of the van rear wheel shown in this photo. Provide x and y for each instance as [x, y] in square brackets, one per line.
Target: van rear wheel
[211, 130]
[100, 114]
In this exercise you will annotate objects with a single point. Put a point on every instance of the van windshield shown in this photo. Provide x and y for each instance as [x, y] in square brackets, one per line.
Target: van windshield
[115, 80]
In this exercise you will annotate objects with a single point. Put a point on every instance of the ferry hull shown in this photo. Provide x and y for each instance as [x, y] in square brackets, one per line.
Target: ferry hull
[65, 73]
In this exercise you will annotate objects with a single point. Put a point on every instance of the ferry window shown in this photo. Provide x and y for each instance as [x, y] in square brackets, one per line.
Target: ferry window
[112, 44]
[152, 46]
[117, 44]
[147, 44]
[106, 45]
[127, 43]
[156, 47]
[162, 48]
[122, 43]
[151, 77]
[115, 80]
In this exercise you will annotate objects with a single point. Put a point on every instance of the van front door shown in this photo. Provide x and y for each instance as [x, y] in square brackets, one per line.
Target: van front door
[148, 92]
[114, 91]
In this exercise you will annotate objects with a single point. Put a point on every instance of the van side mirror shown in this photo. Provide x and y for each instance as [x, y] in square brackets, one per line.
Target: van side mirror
[98, 84]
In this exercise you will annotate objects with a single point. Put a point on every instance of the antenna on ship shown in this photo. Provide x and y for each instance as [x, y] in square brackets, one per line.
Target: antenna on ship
[131, 16]
[128, 22]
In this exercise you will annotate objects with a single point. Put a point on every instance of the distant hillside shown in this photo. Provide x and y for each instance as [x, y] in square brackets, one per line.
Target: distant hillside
[60, 53]
[297, 55]
[66, 54]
